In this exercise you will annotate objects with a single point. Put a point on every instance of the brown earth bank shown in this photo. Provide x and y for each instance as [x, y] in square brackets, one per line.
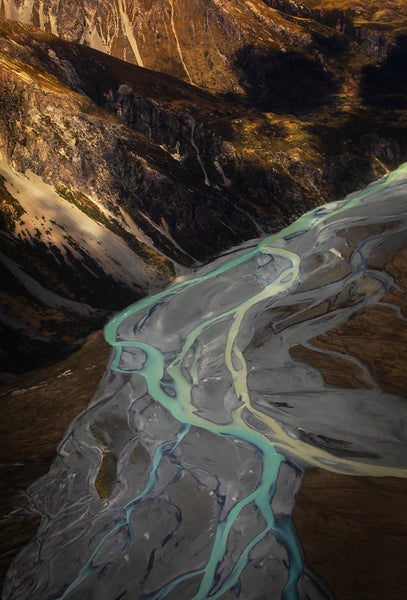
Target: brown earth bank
[35, 411]
[354, 531]
[366, 337]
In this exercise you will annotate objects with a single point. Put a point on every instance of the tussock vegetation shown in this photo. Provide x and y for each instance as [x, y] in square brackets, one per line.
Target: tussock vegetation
[10, 209]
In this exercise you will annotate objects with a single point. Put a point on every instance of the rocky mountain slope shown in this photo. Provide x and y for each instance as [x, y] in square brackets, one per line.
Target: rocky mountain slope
[208, 43]
[114, 178]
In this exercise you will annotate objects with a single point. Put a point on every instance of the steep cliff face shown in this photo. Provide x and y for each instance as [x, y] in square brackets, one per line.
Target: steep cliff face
[94, 214]
[220, 150]
[49, 82]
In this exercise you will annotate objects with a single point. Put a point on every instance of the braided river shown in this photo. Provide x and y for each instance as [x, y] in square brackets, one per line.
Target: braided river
[180, 478]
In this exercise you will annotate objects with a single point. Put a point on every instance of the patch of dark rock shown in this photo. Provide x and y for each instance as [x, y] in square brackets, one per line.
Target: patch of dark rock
[19, 352]
[386, 85]
[283, 81]
[331, 46]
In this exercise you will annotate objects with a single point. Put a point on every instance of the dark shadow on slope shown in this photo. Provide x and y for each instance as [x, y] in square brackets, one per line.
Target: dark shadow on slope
[360, 148]
[283, 81]
[330, 46]
[337, 18]
[386, 85]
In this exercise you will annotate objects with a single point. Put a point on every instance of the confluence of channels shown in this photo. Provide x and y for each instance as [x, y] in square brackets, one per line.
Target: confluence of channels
[180, 406]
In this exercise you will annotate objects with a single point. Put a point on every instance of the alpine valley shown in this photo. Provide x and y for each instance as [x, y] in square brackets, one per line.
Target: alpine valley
[140, 139]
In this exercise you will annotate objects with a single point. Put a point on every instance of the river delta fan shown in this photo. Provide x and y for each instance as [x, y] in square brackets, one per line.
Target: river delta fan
[180, 479]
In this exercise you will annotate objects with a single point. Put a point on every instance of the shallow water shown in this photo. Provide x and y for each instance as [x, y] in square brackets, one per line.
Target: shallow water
[180, 479]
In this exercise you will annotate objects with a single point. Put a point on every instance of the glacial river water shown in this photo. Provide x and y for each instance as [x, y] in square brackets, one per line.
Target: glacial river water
[180, 479]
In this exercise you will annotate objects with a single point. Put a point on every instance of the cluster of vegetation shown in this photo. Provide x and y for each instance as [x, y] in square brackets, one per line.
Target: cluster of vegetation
[10, 209]
[107, 476]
